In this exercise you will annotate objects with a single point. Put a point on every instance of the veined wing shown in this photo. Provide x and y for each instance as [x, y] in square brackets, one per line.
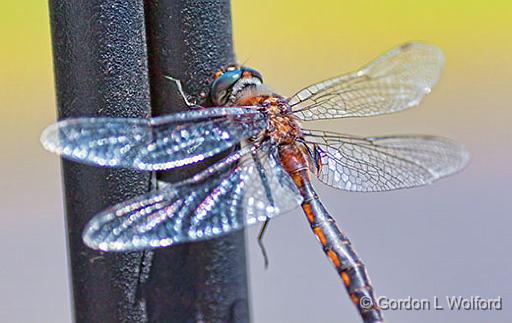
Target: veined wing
[383, 163]
[152, 144]
[397, 80]
[247, 187]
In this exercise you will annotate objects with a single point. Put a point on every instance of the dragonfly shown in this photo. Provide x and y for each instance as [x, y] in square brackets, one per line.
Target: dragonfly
[269, 158]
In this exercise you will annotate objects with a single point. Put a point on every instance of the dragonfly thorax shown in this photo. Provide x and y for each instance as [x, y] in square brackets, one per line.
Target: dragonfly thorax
[283, 127]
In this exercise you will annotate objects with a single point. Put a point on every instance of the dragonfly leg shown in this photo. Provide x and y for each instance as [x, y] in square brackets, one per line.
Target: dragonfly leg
[260, 242]
[182, 93]
[153, 182]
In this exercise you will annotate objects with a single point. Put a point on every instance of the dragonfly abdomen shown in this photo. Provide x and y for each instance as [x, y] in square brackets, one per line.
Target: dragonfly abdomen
[335, 243]
[338, 248]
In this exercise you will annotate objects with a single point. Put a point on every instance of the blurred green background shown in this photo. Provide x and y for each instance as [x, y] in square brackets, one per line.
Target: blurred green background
[452, 238]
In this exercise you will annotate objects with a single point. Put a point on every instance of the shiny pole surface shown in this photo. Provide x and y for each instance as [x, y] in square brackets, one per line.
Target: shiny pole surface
[101, 51]
[190, 40]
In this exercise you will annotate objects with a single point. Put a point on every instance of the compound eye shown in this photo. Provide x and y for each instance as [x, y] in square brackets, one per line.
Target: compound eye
[253, 73]
[222, 86]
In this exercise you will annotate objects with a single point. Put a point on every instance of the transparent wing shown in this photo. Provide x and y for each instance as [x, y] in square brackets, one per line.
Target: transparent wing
[397, 80]
[247, 187]
[382, 163]
[152, 144]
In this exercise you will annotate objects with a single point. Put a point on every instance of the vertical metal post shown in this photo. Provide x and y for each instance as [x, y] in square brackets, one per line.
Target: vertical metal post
[100, 67]
[99, 49]
[203, 281]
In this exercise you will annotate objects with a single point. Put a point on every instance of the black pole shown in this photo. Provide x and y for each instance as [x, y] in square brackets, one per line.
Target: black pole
[203, 281]
[100, 67]
[100, 62]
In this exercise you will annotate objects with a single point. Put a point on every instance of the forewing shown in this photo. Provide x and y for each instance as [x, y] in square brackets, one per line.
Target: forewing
[224, 198]
[383, 163]
[397, 80]
[152, 144]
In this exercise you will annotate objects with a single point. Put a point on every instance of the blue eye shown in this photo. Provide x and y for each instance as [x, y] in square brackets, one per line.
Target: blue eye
[221, 87]
[253, 73]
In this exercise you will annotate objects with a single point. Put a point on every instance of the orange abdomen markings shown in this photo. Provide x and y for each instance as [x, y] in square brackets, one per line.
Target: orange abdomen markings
[340, 252]
[335, 243]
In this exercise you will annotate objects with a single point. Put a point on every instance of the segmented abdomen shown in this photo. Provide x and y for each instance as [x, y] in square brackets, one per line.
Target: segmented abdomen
[339, 250]
[335, 243]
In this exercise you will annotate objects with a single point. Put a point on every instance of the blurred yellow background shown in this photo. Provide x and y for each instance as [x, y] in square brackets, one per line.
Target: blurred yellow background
[293, 43]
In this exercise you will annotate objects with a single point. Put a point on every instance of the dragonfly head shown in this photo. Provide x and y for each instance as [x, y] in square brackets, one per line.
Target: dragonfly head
[229, 81]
